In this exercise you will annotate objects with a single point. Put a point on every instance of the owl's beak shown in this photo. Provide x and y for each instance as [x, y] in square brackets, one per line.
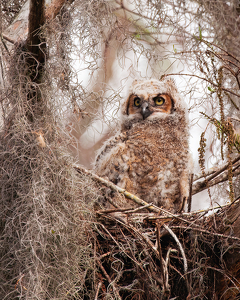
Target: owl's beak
[145, 110]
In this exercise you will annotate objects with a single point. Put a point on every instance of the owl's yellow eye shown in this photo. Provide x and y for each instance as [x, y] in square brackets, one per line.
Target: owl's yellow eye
[137, 102]
[159, 100]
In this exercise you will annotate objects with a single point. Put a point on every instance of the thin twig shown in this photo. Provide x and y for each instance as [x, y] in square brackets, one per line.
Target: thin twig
[167, 262]
[8, 39]
[209, 232]
[161, 260]
[113, 210]
[104, 255]
[136, 210]
[229, 277]
[185, 266]
[124, 210]
[115, 241]
[109, 280]
[98, 289]
[205, 79]
[190, 193]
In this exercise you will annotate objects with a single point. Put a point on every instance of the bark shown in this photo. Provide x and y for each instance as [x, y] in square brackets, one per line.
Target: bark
[36, 20]
[17, 32]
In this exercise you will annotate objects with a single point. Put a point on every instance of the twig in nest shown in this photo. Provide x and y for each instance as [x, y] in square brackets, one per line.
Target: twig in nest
[163, 264]
[190, 194]
[210, 208]
[229, 277]
[134, 230]
[104, 255]
[112, 210]
[98, 289]
[123, 210]
[115, 241]
[109, 280]
[202, 212]
[209, 233]
[169, 215]
[131, 211]
[170, 250]
[185, 266]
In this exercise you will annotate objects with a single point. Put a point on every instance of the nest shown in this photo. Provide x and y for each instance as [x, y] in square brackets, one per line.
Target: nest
[158, 255]
[150, 253]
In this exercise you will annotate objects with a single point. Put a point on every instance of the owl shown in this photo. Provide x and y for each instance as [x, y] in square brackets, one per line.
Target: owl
[149, 156]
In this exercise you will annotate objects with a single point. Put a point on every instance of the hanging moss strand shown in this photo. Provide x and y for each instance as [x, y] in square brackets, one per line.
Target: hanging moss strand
[220, 98]
[230, 143]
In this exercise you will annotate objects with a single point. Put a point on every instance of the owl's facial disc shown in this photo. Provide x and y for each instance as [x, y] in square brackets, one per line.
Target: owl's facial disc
[145, 105]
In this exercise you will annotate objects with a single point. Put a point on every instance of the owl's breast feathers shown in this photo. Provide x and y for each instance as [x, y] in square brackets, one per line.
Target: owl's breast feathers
[150, 160]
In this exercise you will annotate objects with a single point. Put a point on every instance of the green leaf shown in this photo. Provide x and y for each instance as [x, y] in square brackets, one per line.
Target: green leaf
[210, 89]
[200, 33]
[137, 36]
[174, 49]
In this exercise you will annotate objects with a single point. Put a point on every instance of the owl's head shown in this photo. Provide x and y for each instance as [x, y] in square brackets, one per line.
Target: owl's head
[150, 100]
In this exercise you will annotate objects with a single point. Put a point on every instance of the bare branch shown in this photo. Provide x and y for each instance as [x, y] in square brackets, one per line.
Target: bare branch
[200, 186]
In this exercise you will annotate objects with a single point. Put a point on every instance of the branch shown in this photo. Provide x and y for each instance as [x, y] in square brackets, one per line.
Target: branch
[124, 210]
[201, 186]
[197, 188]
[215, 172]
[212, 180]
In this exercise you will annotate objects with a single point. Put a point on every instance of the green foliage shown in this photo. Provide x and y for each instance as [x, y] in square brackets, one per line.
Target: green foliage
[200, 33]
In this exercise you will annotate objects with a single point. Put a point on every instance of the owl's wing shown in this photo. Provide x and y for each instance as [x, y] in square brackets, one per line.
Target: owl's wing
[111, 162]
